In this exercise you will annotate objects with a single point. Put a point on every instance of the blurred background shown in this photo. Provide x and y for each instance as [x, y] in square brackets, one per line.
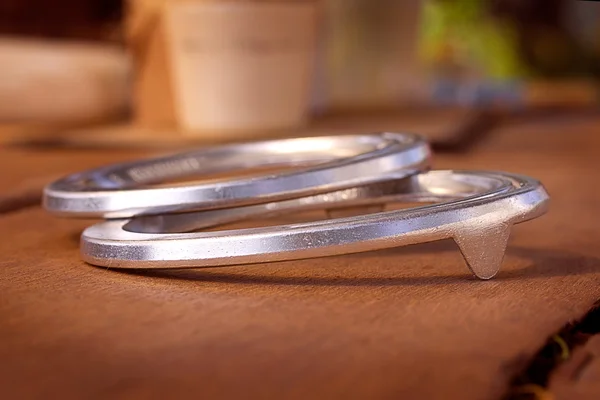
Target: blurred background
[175, 71]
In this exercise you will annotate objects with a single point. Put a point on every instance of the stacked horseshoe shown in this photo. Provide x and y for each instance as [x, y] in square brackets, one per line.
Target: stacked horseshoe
[157, 226]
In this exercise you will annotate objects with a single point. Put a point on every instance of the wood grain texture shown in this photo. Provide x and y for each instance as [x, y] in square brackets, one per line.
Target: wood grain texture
[25, 173]
[402, 323]
[18, 165]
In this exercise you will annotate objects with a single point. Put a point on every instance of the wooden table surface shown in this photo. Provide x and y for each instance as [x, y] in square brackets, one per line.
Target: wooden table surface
[406, 323]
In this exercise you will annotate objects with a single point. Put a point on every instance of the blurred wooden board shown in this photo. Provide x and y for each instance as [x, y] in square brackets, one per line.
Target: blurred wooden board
[435, 124]
[401, 323]
[579, 377]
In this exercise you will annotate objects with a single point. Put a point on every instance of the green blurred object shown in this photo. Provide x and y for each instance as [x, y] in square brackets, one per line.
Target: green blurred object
[460, 37]
[503, 39]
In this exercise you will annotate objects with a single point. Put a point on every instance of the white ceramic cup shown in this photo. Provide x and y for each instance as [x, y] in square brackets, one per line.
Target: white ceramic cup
[241, 66]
